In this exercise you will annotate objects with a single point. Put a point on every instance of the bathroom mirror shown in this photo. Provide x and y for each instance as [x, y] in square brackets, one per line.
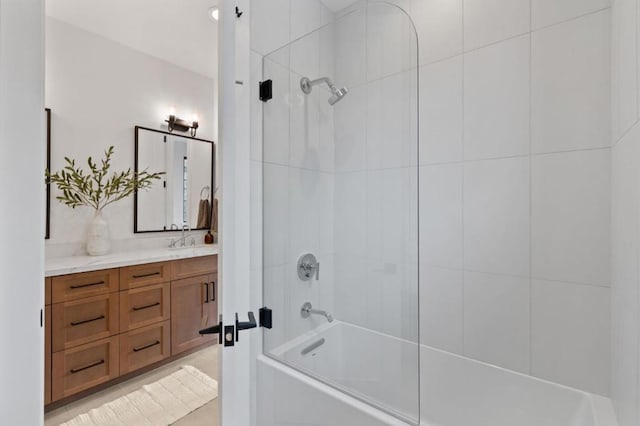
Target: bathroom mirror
[185, 194]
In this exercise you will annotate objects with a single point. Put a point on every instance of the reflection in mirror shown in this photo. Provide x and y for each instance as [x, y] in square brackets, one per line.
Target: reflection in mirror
[186, 195]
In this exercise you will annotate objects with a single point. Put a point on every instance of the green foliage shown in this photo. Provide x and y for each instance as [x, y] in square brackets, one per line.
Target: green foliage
[96, 188]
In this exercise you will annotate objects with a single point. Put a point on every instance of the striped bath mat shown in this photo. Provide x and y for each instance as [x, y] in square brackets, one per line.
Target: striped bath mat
[157, 404]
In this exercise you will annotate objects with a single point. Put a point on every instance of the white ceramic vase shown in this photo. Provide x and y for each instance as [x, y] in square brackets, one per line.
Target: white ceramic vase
[98, 238]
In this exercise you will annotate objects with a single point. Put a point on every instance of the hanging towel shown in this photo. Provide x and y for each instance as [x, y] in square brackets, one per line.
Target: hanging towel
[204, 215]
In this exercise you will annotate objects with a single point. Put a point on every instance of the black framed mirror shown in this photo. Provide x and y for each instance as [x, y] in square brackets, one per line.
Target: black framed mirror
[186, 193]
[47, 232]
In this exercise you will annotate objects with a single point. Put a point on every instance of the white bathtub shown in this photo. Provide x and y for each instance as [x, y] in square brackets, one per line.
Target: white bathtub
[383, 371]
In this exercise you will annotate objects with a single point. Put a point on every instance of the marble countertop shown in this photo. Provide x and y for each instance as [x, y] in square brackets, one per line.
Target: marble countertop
[74, 264]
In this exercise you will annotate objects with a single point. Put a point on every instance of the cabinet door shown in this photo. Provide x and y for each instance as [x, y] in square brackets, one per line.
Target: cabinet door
[189, 313]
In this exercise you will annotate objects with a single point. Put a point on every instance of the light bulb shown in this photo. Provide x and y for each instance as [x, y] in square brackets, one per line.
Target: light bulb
[214, 13]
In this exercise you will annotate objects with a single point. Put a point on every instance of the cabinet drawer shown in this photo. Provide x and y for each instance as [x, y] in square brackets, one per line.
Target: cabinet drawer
[82, 321]
[144, 306]
[47, 291]
[143, 275]
[194, 266]
[144, 346]
[81, 368]
[87, 284]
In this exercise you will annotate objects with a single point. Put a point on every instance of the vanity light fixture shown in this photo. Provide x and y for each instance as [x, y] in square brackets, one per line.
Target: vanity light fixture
[214, 13]
[175, 123]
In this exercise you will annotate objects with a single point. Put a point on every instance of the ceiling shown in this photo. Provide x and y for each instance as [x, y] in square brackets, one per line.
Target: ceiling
[167, 29]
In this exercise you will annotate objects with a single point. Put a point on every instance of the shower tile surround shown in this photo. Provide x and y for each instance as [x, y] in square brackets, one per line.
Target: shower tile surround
[514, 196]
[625, 197]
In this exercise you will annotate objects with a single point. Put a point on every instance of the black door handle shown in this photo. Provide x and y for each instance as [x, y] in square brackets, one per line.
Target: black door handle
[245, 325]
[218, 328]
[206, 287]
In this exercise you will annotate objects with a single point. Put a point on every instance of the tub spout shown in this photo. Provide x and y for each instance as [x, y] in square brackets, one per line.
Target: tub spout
[307, 310]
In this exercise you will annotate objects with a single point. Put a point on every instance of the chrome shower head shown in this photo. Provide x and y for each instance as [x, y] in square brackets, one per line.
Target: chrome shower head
[336, 94]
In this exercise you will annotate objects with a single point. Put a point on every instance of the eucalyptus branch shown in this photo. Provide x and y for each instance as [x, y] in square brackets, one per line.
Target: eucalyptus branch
[98, 189]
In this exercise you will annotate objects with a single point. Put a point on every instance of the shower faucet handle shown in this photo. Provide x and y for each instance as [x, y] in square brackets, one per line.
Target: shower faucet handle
[308, 266]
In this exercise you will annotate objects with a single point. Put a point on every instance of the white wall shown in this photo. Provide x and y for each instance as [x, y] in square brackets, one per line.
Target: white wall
[625, 213]
[98, 90]
[22, 153]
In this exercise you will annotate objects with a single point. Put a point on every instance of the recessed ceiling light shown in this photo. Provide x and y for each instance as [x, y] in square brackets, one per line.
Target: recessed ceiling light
[214, 13]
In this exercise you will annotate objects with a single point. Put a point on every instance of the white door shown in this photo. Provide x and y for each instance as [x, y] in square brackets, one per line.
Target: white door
[234, 162]
[22, 153]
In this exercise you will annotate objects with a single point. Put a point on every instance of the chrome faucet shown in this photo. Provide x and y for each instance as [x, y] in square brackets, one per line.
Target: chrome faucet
[183, 239]
[307, 310]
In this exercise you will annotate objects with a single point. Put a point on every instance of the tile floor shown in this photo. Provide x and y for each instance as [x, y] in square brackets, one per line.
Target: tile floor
[205, 360]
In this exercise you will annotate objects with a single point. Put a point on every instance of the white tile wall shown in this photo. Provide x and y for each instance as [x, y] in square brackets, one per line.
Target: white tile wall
[571, 216]
[306, 16]
[625, 366]
[570, 329]
[391, 42]
[496, 216]
[441, 111]
[391, 121]
[489, 21]
[439, 27]
[496, 100]
[496, 319]
[270, 25]
[276, 213]
[350, 121]
[571, 85]
[624, 67]
[441, 215]
[276, 115]
[441, 308]
[350, 44]
[548, 12]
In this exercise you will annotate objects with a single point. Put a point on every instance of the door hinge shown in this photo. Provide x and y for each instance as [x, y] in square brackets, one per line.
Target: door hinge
[266, 90]
[265, 316]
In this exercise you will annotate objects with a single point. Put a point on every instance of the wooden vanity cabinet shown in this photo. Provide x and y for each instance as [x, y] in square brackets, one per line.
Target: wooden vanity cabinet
[100, 325]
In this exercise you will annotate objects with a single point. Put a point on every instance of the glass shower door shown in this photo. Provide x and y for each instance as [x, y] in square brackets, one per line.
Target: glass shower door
[340, 207]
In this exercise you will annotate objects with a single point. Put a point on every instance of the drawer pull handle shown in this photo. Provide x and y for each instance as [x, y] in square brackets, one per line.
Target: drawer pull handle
[74, 287]
[140, 308]
[86, 367]
[147, 275]
[74, 323]
[150, 345]
[213, 291]
[206, 287]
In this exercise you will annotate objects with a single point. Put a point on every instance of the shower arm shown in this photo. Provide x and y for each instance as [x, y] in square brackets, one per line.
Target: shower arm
[308, 84]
